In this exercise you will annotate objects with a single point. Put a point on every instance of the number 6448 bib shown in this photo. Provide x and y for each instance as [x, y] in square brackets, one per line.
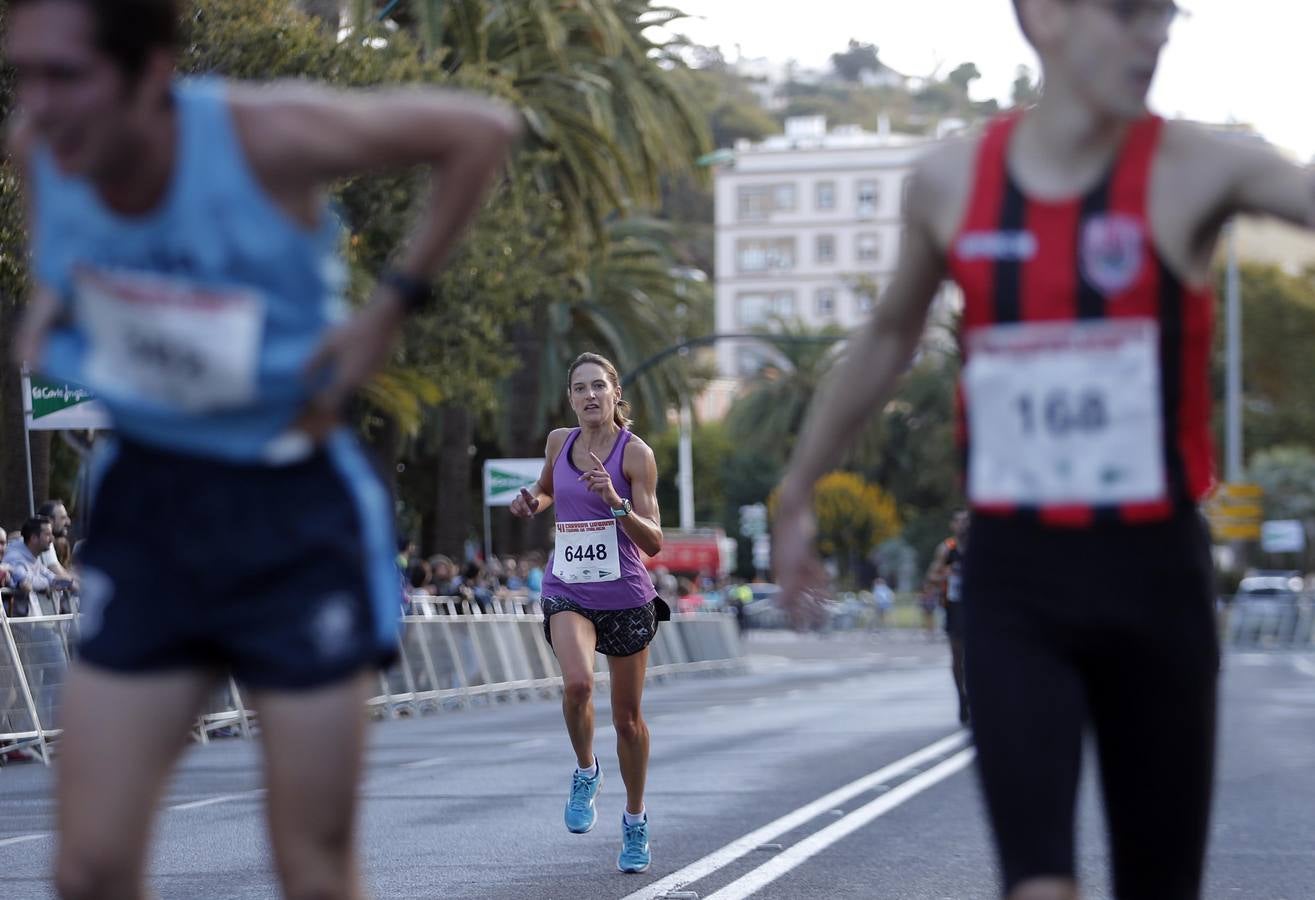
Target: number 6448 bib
[1065, 413]
[586, 552]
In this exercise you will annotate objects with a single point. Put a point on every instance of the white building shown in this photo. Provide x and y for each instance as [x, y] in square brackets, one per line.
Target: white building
[806, 223]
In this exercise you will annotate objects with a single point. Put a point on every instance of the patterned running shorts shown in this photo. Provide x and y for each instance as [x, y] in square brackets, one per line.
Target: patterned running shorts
[620, 632]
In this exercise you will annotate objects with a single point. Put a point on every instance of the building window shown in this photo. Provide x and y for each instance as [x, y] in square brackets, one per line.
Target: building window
[867, 247]
[757, 309]
[824, 196]
[824, 249]
[824, 302]
[764, 254]
[905, 186]
[867, 198]
[759, 201]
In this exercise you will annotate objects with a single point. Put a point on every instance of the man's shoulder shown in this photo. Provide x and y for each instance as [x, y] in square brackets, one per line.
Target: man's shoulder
[942, 184]
[1196, 149]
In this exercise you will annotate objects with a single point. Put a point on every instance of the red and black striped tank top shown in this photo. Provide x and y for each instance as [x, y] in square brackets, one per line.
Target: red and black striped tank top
[1022, 260]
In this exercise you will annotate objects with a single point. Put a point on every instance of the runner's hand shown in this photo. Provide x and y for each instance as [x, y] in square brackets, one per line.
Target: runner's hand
[524, 505]
[799, 571]
[600, 483]
[348, 356]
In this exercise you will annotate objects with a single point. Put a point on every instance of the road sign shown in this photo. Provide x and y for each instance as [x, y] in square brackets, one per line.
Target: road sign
[1235, 512]
[1283, 536]
[1242, 512]
[504, 478]
[1235, 531]
[753, 520]
[1238, 490]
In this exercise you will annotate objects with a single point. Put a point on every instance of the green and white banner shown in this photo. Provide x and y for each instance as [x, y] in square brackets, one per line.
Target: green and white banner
[504, 478]
[53, 405]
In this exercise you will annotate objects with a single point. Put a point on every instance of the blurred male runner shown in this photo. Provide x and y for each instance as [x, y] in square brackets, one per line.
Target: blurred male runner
[1081, 232]
[187, 271]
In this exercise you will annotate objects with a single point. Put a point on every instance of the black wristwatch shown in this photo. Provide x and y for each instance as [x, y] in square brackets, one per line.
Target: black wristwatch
[623, 511]
[416, 294]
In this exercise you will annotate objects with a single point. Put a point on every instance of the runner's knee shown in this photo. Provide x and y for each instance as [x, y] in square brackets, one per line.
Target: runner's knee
[579, 689]
[629, 724]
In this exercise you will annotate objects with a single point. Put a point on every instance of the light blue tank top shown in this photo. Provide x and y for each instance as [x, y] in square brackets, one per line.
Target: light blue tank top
[192, 323]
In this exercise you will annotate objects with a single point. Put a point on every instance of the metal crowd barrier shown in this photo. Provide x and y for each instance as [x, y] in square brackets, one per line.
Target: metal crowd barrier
[452, 652]
[1271, 622]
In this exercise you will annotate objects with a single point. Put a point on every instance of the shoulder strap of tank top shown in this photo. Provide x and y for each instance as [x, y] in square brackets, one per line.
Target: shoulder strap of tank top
[1130, 185]
[566, 446]
[212, 135]
[990, 174]
[622, 440]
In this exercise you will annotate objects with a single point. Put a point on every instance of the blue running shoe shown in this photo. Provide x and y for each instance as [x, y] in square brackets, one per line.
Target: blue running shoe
[634, 846]
[580, 812]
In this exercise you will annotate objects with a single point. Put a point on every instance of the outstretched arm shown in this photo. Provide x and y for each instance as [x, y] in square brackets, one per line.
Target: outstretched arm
[875, 358]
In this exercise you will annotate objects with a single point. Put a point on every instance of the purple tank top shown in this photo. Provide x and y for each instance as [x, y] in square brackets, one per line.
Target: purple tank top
[576, 503]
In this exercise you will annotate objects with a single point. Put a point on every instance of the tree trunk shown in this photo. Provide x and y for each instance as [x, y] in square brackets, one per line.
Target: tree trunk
[452, 502]
[386, 444]
[527, 430]
[13, 466]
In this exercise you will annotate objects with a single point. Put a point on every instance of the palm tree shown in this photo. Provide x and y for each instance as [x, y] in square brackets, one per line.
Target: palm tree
[770, 409]
[598, 92]
[632, 301]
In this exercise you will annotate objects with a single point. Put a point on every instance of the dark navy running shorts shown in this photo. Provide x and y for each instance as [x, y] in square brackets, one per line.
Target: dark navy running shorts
[283, 576]
[619, 632]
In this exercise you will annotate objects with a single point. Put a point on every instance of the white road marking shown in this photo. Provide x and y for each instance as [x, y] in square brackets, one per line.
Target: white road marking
[526, 745]
[819, 841]
[23, 839]
[1305, 665]
[215, 801]
[748, 843]
[426, 763]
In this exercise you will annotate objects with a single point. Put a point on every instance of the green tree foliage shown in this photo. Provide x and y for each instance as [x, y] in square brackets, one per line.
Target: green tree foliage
[13, 291]
[855, 60]
[853, 518]
[1287, 474]
[1278, 331]
[911, 451]
[963, 76]
[770, 409]
[598, 91]
[459, 348]
[726, 98]
[711, 446]
[1026, 90]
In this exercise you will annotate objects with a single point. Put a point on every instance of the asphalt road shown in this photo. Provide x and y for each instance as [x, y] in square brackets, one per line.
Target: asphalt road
[832, 769]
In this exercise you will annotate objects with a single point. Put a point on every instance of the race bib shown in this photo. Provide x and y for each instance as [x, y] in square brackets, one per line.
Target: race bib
[1065, 413]
[586, 552]
[169, 342]
[954, 587]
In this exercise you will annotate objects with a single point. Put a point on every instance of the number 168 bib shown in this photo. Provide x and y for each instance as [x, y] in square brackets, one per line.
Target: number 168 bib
[1064, 413]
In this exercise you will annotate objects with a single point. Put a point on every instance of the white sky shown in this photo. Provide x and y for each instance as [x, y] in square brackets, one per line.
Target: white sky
[1231, 60]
